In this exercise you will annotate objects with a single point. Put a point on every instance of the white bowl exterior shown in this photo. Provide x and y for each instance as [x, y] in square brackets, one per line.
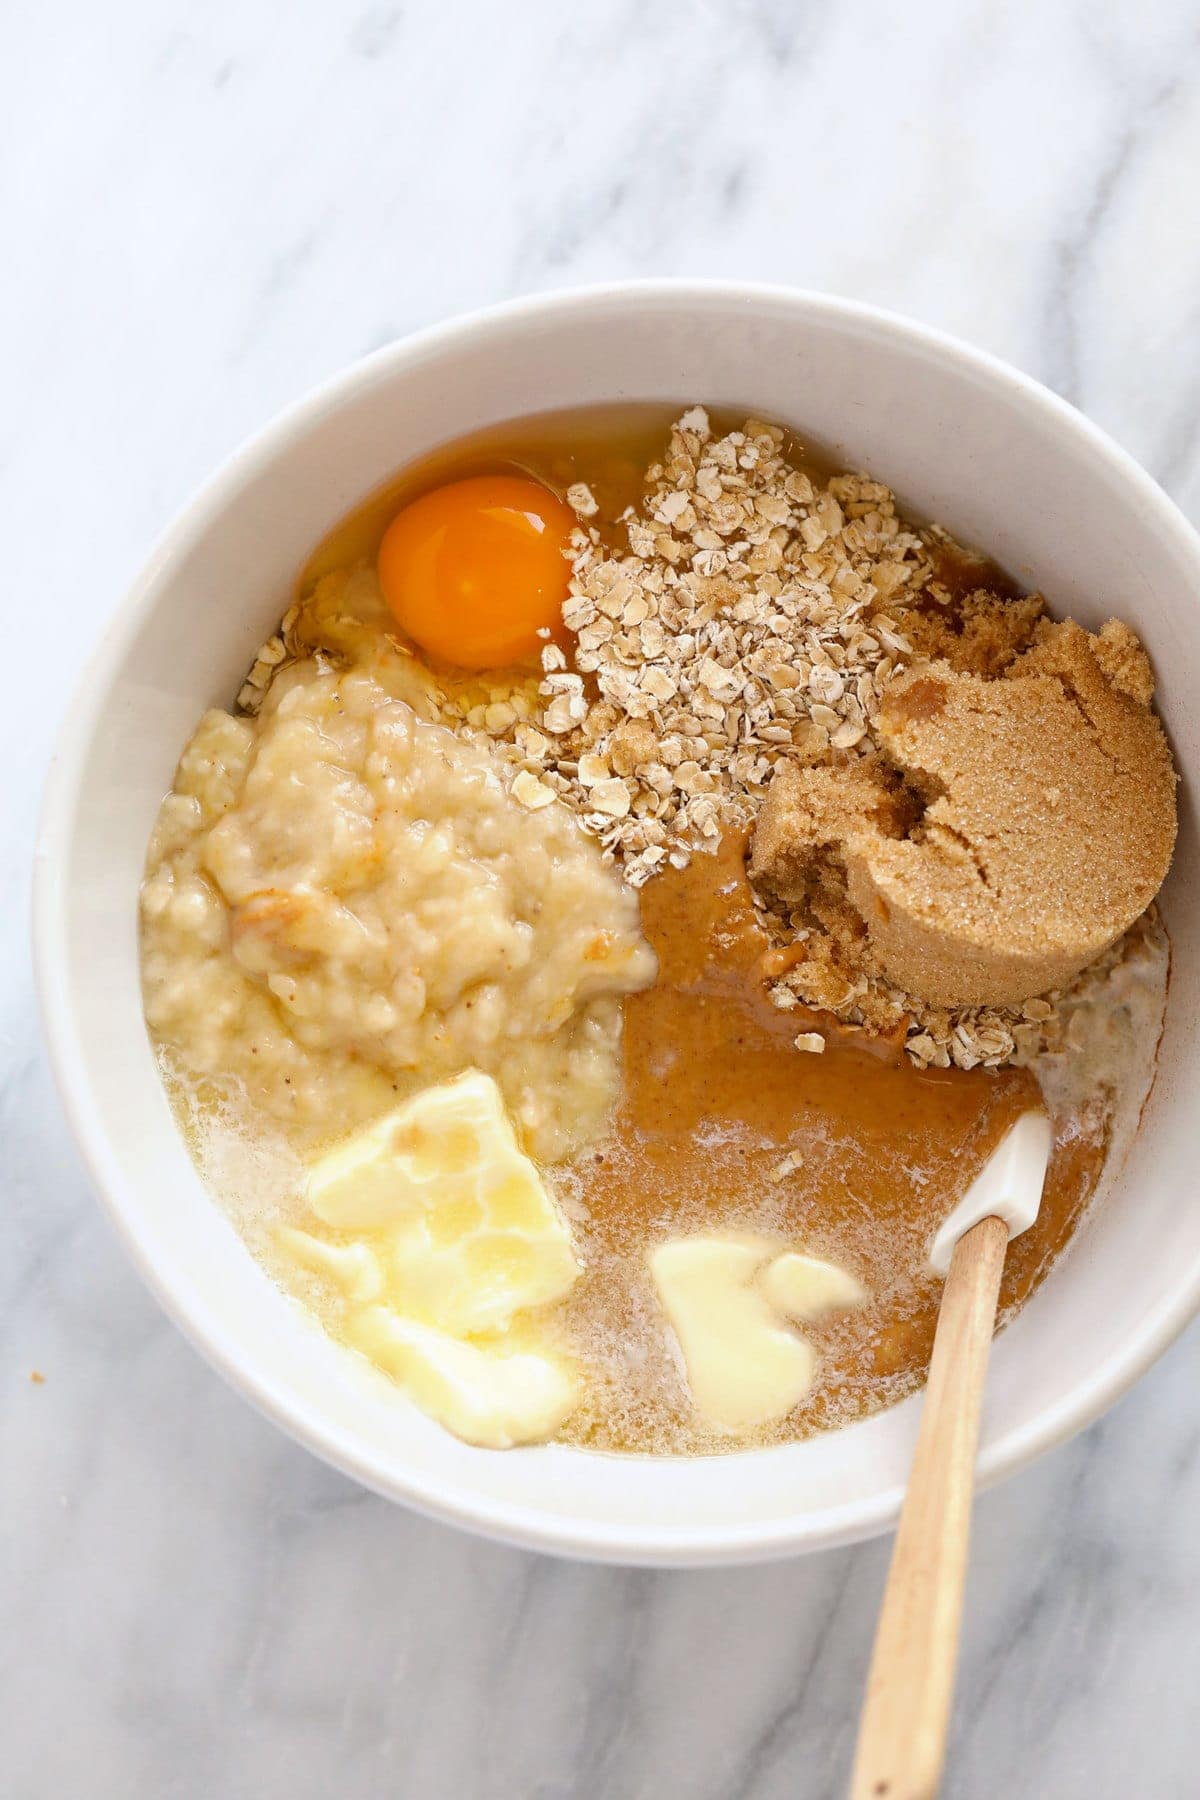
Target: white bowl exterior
[965, 441]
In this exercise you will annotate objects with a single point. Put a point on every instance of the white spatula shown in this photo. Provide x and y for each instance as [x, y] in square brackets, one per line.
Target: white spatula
[902, 1732]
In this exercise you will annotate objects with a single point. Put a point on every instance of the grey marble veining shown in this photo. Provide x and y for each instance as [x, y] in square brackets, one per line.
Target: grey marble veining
[204, 211]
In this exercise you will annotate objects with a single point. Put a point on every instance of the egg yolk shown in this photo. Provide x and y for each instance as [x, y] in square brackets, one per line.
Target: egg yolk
[474, 571]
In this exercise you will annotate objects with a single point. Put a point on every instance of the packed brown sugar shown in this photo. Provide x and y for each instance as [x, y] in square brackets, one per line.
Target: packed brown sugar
[1048, 827]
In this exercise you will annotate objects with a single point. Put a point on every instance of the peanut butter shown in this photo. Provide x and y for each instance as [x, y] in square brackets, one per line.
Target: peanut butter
[853, 1154]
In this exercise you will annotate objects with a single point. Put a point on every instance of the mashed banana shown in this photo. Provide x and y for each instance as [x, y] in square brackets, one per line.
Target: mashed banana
[343, 902]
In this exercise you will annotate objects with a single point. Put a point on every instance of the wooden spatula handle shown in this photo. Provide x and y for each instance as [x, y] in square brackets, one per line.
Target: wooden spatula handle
[902, 1733]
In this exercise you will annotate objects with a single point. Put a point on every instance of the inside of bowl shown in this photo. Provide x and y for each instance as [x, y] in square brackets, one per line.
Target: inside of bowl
[964, 443]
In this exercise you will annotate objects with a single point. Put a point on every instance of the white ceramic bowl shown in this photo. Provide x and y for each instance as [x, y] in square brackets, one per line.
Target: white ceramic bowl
[965, 440]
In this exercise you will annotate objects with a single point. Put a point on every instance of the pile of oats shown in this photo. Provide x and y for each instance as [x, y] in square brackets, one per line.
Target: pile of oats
[749, 621]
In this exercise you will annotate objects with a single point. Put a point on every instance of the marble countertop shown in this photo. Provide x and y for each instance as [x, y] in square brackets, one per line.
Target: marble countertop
[206, 209]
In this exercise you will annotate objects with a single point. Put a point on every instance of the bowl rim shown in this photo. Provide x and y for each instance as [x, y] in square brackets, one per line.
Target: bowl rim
[468, 1506]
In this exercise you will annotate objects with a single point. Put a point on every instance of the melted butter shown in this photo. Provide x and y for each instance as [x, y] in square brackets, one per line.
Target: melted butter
[716, 1098]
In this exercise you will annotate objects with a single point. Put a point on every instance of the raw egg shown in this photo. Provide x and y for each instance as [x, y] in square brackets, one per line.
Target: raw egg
[474, 571]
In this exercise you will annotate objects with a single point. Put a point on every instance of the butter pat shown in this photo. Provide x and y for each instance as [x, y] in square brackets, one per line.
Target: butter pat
[728, 1300]
[459, 1213]
[446, 1230]
[493, 1398]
